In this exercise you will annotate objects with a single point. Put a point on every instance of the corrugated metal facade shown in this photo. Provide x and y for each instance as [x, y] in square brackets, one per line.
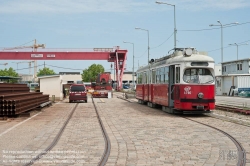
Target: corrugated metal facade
[243, 81]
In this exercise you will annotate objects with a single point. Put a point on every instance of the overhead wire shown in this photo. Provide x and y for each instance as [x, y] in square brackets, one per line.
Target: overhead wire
[227, 46]
[50, 66]
[244, 42]
[196, 31]
[28, 67]
[142, 54]
[27, 43]
[63, 67]
[216, 28]
[156, 46]
[163, 42]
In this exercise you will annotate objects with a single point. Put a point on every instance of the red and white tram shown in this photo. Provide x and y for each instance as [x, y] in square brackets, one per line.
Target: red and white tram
[182, 82]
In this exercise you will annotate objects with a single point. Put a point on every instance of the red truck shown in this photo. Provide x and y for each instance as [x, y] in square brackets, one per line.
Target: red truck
[102, 86]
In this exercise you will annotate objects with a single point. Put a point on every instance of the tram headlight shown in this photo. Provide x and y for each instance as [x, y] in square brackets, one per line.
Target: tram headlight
[200, 95]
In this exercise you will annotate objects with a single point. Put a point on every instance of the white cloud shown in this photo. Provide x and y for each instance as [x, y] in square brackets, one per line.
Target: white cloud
[67, 6]
[83, 6]
[214, 4]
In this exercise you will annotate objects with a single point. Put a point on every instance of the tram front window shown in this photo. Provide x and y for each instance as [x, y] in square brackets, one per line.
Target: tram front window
[198, 76]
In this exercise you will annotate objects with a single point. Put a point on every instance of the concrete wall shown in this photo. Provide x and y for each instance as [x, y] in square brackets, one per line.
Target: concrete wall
[75, 78]
[126, 77]
[217, 70]
[26, 78]
[52, 86]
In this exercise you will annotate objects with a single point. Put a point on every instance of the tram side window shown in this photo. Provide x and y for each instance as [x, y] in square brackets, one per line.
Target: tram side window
[139, 78]
[144, 78]
[158, 75]
[153, 76]
[162, 74]
[177, 75]
[149, 77]
[166, 75]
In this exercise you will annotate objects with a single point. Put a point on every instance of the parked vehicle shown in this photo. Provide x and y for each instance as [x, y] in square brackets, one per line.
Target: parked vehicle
[78, 92]
[34, 87]
[126, 86]
[102, 86]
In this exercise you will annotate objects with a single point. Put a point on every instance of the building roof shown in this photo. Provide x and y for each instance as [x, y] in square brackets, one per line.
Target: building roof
[69, 73]
[8, 77]
[48, 76]
[226, 75]
[247, 59]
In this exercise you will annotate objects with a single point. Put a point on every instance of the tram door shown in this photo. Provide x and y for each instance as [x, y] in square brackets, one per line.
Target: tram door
[174, 78]
[171, 85]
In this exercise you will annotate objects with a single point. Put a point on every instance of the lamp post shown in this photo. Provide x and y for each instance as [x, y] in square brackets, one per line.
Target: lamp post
[175, 30]
[148, 39]
[133, 62]
[237, 44]
[221, 25]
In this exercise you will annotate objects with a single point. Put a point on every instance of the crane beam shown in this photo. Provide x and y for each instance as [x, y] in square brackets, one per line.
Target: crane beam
[117, 56]
[10, 55]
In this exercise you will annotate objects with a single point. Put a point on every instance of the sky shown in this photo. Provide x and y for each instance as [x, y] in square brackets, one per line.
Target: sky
[87, 24]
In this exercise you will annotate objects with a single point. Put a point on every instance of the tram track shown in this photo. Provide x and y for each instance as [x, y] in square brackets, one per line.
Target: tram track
[56, 139]
[224, 118]
[240, 150]
[107, 148]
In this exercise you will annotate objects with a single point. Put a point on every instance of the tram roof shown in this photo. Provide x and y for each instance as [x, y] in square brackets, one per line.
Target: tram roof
[179, 57]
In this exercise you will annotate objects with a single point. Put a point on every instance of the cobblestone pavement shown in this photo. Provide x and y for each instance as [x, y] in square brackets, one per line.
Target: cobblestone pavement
[33, 135]
[239, 132]
[144, 136]
[139, 136]
[233, 116]
[82, 142]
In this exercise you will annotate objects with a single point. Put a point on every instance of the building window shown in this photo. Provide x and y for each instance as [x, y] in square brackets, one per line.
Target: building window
[224, 69]
[239, 66]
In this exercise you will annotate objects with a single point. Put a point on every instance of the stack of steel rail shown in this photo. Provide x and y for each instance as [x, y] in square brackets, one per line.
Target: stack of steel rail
[16, 98]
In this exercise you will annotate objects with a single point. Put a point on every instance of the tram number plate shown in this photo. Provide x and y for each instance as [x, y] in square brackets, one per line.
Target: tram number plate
[200, 107]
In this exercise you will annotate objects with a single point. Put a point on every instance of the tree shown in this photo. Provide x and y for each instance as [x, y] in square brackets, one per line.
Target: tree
[91, 73]
[9, 72]
[45, 71]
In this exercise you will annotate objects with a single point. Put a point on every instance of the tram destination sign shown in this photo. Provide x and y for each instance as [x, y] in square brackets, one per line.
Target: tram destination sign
[51, 55]
[36, 55]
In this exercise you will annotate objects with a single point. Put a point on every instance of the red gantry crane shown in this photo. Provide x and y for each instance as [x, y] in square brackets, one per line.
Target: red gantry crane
[110, 54]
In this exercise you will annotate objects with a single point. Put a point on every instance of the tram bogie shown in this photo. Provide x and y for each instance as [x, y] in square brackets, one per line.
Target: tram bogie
[181, 82]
